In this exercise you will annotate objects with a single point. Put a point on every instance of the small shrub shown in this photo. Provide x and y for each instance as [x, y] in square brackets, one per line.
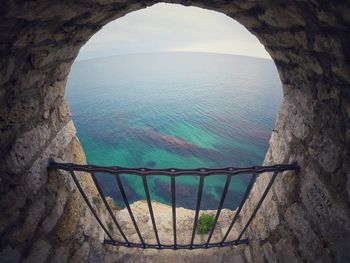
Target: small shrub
[95, 200]
[205, 223]
[110, 226]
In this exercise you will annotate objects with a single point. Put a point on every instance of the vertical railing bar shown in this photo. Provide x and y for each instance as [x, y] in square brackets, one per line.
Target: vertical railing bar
[199, 197]
[148, 197]
[107, 206]
[246, 194]
[121, 188]
[89, 204]
[223, 196]
[259, 204]
[173, 203]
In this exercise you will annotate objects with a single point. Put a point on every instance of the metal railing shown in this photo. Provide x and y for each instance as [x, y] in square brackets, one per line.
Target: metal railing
[173, 173]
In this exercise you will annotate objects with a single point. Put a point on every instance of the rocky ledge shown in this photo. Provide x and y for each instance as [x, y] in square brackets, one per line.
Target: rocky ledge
[163, 218]
[164, 222]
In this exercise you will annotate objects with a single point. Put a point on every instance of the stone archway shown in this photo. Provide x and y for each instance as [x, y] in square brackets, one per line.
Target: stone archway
[306, 218]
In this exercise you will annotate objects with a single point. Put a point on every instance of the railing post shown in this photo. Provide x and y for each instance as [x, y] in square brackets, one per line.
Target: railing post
[259, 204]
[126, 202]
[148, 197]
[246, 194]
[89, 204]
[222, 200]
[173, 205]
[199, 198]
[108, 207]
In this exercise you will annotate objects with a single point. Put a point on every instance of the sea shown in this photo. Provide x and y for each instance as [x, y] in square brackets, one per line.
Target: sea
[174, 110]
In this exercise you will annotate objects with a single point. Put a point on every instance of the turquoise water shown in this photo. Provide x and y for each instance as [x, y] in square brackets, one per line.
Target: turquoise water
[184, 110]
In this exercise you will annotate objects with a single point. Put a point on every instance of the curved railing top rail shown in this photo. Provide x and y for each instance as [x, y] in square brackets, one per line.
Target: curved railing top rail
[172, 171]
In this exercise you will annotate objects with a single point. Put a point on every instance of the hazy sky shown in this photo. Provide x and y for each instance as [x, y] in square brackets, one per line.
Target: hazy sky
[169, 27]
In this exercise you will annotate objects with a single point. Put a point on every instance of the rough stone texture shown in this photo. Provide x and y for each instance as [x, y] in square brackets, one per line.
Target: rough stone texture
[304, 219]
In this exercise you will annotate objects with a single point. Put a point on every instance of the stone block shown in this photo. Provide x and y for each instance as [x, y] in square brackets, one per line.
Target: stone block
[81, 254]
[21, 112]
[9, 255]
[35, 212]
[42, 11]
[283, 16]
[285, 252]
[7, 66]
[342, 69]
[325, 150]
[51, 220]
[327, 18]
[344, 11]
[328, 44]
[250, 22]
[106, 2]
[67, 225]
[245, 5]
[257, 251]
[31, 80]
[284, 187]
[36, 176]
[248, 254]
[53, 96]
[271, 212]
[62, 139]
[325, 206]
[32, 34]
[27, 147]
[310, 244]
[284, 39]
[298, 124]
[329, 94]
[62, 70]
[278, 55]
[60, 255]
[42, 56]
[63, 110]
[279, 148]
[37, 173]
[39, 252]
[269, 253]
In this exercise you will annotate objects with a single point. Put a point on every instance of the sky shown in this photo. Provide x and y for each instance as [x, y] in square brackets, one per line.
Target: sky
[170, 27]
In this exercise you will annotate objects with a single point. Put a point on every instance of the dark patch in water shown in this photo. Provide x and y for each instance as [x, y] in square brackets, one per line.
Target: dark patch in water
[186, 195]
[151, 164]
[176, 145]
[110, 188]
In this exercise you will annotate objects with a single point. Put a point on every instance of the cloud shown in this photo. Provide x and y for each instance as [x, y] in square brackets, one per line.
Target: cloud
[170, 27]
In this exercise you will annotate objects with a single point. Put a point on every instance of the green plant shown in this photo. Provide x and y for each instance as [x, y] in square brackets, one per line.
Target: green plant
[110, 226]
[95, 200]
[205, 223]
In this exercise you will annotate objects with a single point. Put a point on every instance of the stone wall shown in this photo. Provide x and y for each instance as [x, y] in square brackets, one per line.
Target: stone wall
[306, 216]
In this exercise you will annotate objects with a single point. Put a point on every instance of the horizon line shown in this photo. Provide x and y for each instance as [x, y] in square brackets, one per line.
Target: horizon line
[168, 51]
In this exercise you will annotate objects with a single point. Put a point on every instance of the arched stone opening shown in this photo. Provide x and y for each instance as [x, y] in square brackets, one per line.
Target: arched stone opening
[305, 218]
